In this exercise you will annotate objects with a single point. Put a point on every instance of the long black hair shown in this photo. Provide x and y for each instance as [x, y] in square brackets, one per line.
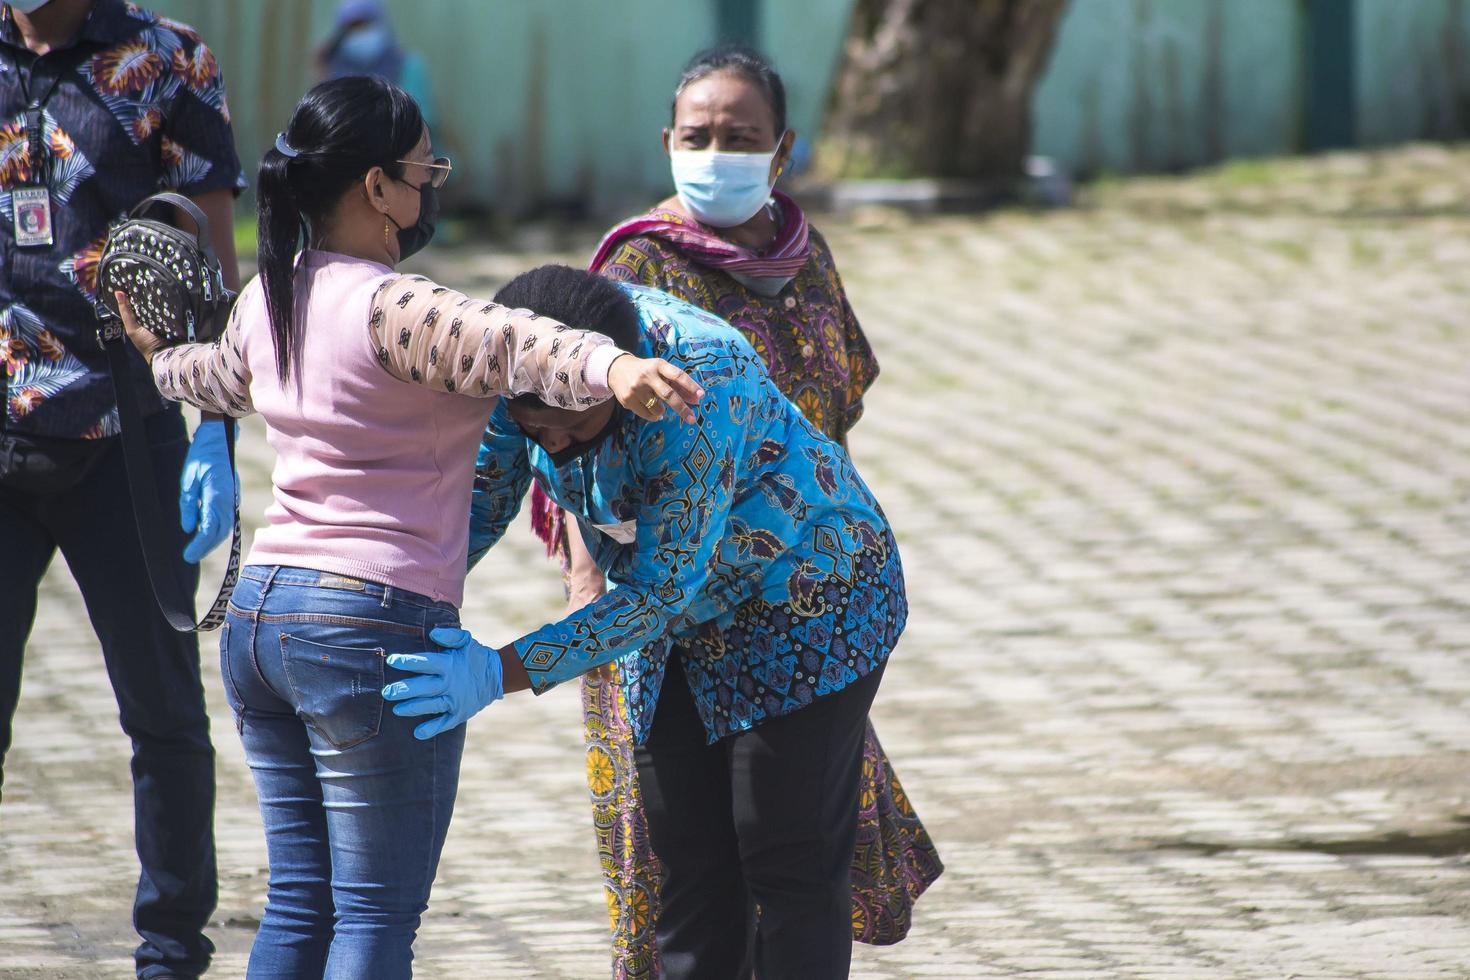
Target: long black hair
[743, 61]
[340, 130]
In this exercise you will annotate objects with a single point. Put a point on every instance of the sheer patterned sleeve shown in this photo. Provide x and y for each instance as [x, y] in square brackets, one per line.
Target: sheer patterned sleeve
[431, 335]
[213, 377]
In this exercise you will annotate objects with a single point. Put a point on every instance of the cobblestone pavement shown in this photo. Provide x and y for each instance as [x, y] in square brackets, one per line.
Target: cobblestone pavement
[1182, 479]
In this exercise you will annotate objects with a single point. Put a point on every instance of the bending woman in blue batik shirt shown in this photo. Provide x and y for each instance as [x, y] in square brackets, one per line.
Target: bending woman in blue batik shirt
[758, 595]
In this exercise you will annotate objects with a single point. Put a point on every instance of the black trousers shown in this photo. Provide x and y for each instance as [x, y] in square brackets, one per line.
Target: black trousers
[756, 835]
[87, 515]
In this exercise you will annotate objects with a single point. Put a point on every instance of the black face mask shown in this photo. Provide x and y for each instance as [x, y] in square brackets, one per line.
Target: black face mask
[579, 449]
[413, 238]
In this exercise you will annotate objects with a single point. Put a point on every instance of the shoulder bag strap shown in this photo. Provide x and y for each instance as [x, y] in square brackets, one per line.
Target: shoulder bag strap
[206, 244]
[173, 599]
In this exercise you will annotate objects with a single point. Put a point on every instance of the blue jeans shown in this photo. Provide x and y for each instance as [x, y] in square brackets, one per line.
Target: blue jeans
[355, 808]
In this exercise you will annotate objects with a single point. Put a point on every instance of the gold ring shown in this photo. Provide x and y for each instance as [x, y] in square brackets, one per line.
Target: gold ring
[650, 404]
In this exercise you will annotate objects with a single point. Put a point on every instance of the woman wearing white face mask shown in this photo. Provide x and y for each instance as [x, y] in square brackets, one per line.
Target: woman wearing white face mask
[730, 243]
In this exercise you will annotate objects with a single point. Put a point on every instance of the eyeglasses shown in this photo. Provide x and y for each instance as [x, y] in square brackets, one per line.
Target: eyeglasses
[441, 167]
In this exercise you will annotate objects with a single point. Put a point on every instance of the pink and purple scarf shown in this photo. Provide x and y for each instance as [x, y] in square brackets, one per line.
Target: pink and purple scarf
[783, 257]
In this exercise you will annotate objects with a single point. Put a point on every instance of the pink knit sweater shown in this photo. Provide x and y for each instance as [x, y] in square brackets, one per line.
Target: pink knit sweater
[376, 432]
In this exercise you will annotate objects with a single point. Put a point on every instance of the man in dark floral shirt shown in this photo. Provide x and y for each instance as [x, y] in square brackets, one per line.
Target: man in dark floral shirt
[101, 104]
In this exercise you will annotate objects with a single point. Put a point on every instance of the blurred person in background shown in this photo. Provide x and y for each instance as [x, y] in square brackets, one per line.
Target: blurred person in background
[730, 244]
[362, 43]
[102, 104]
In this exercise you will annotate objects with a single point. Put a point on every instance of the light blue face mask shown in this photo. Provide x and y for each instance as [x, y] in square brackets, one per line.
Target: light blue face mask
[722, 189]
[365, 45]
[28, 6]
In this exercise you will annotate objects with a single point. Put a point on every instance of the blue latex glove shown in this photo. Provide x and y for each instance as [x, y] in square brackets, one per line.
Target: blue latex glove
[455, 684]
[205, 500]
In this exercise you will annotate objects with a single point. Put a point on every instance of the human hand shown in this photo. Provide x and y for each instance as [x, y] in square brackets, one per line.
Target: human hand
[208, 489]
[454, 685]
[147, 342]
[645, 385]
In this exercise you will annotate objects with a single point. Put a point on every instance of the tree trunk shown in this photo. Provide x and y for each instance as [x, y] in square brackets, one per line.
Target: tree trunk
[938, 88]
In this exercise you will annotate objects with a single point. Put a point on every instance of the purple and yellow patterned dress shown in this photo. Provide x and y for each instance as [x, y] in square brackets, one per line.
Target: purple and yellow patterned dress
[818, 355]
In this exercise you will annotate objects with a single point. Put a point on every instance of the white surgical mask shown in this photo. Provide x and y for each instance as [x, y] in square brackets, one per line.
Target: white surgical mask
[722, 189]
[28, 6]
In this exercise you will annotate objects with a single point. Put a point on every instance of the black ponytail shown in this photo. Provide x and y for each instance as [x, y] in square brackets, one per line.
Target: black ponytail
[743, 61]
[340, 130]
[281, 226]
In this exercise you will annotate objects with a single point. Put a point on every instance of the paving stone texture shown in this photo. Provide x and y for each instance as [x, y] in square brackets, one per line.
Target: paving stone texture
[1182, 481]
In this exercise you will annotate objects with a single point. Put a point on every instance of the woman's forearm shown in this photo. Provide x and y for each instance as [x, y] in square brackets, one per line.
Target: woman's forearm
[431, 335]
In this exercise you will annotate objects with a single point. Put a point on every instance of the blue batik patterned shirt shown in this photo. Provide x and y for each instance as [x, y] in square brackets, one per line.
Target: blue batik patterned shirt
[752, 546]
[138, 106]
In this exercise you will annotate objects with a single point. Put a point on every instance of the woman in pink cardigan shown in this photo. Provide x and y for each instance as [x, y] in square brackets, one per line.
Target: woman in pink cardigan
[375, 388]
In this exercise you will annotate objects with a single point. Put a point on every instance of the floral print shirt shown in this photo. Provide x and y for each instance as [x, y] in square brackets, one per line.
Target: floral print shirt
[747, 540]
[138, 107]
[807, 333]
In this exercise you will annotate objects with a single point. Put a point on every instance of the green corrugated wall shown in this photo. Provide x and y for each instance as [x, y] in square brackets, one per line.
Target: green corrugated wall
[1140, 85]
[547, 101]
[1161, 84]
[1413, 70]
[537, 100]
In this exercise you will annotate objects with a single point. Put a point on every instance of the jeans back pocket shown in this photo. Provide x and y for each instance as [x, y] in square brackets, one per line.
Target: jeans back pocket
[337, 690]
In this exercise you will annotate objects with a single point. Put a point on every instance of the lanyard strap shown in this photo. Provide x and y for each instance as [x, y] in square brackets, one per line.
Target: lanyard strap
[35, 116]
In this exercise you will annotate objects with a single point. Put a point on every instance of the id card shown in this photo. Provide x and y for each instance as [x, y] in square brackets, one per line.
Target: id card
[32, 216]
[625, 532]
